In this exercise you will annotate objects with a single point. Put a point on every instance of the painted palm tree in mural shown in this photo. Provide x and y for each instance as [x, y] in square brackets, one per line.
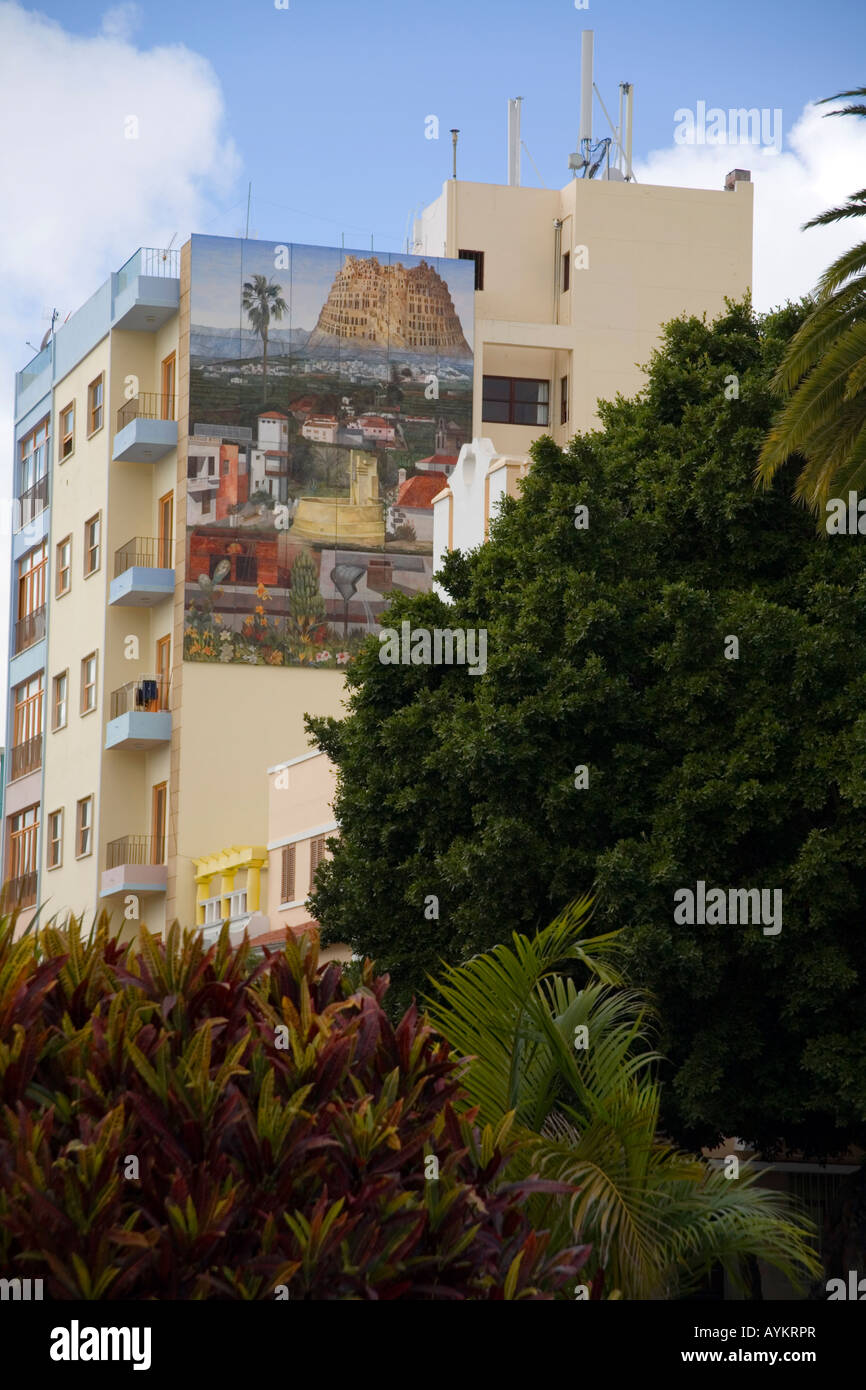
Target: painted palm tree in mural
[263, 301]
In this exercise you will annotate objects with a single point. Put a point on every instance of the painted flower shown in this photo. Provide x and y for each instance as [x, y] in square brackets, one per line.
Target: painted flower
[261, 592]
[217, 618]
[260, 610]
[343, 657]
[323, 656]
[274, 658]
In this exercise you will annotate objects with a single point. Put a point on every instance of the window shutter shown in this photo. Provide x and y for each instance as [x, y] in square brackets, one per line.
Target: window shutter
[287, 887]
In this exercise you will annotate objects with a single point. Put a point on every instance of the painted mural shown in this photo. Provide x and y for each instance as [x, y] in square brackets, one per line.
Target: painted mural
[330, 392]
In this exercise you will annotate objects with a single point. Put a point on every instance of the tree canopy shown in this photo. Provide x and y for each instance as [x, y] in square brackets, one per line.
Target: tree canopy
[607, 649]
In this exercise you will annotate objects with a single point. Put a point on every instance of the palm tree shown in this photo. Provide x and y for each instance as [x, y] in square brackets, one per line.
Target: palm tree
[823, 371]
[263, 300]
[657, 1218]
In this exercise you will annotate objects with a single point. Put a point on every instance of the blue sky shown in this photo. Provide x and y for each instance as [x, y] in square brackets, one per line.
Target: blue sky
[326, 101]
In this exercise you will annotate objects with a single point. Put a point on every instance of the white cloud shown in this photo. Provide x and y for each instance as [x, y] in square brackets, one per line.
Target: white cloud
[821, 165]
[78, 195]
[121, 21]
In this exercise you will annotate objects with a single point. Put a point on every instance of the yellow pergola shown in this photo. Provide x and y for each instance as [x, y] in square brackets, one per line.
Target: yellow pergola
[226, 865]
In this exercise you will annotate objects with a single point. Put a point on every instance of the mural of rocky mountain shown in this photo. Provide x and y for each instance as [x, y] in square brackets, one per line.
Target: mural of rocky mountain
[377, 307]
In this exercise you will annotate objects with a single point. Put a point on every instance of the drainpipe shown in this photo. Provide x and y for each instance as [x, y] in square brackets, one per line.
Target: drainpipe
[557, 265]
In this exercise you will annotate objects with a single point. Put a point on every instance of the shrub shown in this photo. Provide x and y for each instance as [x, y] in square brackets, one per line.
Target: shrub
[182, 1123]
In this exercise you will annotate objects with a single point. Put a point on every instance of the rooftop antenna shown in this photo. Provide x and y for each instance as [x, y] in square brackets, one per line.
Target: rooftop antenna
[514, 141]
[168, 248]
[454, 134]
[591, 155]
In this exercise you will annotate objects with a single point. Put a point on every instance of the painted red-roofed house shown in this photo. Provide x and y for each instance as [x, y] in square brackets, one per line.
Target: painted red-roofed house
[413, 505]
[376, 430]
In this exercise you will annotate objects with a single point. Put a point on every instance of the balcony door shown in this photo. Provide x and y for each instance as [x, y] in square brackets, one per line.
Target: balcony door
[169, 372]
[163, 670]
[166, 532]
[158, 822]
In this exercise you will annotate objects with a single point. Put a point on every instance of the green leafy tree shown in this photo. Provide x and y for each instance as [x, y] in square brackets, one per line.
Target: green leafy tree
[823, 372]
[263, 301]
[569, 1058]
[457, 796]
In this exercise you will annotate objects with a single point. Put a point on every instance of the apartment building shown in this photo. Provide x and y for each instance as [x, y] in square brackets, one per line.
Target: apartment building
[195, 561]
[572, 285]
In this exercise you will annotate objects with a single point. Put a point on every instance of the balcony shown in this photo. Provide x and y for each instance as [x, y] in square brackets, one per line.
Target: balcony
[143, 573]
[30, 629]
[25, 758]
[139, 716]
[146, 429]
[146, 291]
[19, 892]
[134, 864]
[32, 503]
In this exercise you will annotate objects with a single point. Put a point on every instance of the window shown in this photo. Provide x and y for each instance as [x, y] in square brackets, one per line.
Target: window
[67, 431]
[205, 504]
[84, 827]
[63, 575]
[508, 400]
[27, 723]
[212, 911]
[563, 400]
[59, 700]
[88, 683]
[31, 580]
[287, 874]
[238, 904]
[317, 854]
[92, 535]
[33, 458]
[23, 836]
[54, 856]
[95, 393]
[166, 532]
[159, 798]
[478, 258]
[566, 272]
[168, 381]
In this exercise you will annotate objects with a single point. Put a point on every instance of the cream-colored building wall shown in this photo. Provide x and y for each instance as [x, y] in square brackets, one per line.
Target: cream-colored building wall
[76, 628]
[300, 808]
[654, 253]
[234, 723]
[134, 490]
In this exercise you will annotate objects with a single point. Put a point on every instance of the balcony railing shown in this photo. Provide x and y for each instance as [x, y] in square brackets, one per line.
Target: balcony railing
[30, 629]
[20, 891]
[26, 757]
[149, 260]
[147, 405]
[147, 695]
[145, 553]
[135, 849]
[32, 502]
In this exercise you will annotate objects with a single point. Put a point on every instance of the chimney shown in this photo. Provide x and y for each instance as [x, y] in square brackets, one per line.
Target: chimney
[401, 477]
[737, 176]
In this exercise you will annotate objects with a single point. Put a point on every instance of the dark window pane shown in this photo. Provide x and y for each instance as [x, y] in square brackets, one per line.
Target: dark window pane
[496, 388]
[496, 411]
